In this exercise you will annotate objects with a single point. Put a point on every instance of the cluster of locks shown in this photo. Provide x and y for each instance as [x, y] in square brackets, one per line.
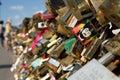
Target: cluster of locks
[72, 40]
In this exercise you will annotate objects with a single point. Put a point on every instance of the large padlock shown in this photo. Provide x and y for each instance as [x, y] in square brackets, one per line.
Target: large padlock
[111, 10]
[79, 8]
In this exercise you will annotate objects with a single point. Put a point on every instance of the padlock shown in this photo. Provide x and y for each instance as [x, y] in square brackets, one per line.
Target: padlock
[48, 34]
[101, 18]
[111, 13]
[51, 49]
[35, 51]
[67, 60]
[113, 65]
[107, 58]
[44, 71]
[72, 21]
[94, 5]
[52, 6]
[64, 31]
[53, 37]
[113, 45]
[41, 43]
[85, 32]
[54, 42]
[62, 11]
[91, 50]
[80, 9]
[53, 64]
[57, 50]
[64, 76]
[65, 17]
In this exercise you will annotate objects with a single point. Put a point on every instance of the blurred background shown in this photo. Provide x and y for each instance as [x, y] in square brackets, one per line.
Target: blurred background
[16, 11]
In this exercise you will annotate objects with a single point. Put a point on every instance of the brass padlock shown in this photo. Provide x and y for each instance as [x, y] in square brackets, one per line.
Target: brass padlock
[114, 45]
[111, 10]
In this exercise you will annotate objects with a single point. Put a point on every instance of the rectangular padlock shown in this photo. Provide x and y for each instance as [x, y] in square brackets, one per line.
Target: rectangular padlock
[107, 58]
[113, 45]
[67, 60]
[64, 31]
[66, 15]
[79, 8]
[53, 64]
[85, 32]
[91, 50]
[58, 50]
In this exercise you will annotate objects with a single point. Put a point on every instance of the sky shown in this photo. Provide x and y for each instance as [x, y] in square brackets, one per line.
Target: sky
[17, 10]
